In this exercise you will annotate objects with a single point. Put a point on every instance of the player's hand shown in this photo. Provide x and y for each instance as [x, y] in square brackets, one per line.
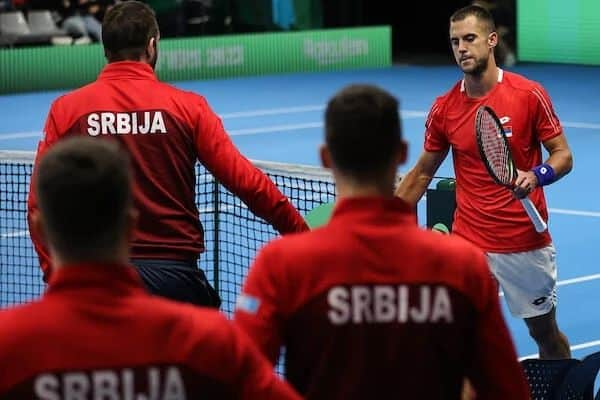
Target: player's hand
[525, 183]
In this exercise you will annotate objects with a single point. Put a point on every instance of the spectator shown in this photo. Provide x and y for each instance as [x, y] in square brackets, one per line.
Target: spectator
[79, 18]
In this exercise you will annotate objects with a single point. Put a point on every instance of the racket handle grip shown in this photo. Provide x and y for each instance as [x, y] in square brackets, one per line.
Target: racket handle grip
[534, 215]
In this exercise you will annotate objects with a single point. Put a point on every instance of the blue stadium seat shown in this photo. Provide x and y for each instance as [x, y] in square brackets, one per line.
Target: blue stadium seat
[546, 376]
[578, 384]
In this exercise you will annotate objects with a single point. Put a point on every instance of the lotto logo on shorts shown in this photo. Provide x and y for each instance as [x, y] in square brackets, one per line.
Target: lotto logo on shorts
[539, 301]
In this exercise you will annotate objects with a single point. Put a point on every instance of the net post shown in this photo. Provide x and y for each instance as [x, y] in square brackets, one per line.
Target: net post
[216, 212]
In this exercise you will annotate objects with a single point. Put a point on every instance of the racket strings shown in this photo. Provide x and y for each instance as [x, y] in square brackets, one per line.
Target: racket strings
[496, 149]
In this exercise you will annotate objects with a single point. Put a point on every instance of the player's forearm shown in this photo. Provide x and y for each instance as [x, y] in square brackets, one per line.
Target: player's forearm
[561, 161]
[412, 186]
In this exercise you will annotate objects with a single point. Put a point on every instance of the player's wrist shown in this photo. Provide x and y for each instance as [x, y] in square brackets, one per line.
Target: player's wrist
[545, 174]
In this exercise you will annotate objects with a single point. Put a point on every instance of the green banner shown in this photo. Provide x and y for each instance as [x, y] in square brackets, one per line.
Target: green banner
[559, 31]
[46, 68]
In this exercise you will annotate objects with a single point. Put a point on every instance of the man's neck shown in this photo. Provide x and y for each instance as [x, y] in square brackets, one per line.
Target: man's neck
[350, 188]
[480, 85]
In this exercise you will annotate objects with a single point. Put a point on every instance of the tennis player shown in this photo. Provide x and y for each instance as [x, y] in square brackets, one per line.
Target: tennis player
[97, 333]
[370, 305]
[488, 215]
[166, 131]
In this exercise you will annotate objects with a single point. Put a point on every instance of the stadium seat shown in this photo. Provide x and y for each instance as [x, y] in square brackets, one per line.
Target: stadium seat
[13, 22]
[546, 376]
[14, 30]
[578, 383]
[41, 21]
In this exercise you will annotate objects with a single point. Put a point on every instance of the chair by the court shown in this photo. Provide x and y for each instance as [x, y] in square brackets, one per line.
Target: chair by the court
[546, 376]
[578, 383]
[569, 379]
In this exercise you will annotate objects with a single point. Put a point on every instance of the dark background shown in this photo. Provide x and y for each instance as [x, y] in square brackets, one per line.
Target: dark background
[419, 28]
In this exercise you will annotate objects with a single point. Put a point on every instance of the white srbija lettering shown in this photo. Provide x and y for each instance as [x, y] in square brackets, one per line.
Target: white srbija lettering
[163, 384]
[386, 303]
[120, 123]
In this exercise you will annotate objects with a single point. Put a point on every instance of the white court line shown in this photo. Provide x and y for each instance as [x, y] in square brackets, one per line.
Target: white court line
[307, 108]
[19, 135]
[276, 128]
[14, 234]
[273, 111]
[578, 280]
[573, 348]
[408, 114]
[575, 212]
[242, 132]
[571, 281]
[581, 125]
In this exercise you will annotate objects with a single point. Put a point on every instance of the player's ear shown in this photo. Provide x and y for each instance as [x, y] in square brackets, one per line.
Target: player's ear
[37, 224]
[151, 48]
[493, 39]
[325, 156]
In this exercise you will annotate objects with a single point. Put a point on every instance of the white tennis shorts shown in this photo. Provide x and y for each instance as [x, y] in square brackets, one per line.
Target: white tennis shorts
[528, 280]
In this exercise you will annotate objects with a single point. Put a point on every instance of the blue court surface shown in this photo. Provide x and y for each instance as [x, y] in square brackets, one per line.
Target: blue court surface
[279, 118]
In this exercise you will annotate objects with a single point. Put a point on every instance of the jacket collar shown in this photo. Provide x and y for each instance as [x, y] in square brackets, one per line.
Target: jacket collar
[352, 207]
[113, 278]
[127, 70]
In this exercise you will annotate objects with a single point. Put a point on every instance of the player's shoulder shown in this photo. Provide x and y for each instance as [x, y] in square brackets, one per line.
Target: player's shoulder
[519, 82]
[175, 91]
[25, 321]
[75, 96]
[296, 244]
[187, 100]
[200, 328]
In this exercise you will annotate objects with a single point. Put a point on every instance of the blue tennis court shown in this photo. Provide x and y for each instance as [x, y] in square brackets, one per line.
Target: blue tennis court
[279, 118]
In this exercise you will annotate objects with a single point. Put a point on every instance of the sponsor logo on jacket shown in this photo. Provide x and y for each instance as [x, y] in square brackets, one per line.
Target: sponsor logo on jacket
[125, 123]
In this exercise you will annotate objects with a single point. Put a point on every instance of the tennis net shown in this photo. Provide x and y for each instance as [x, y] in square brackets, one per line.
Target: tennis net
[232, 233]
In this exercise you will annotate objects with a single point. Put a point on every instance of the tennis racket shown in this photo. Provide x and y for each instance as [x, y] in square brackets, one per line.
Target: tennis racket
[496, 155]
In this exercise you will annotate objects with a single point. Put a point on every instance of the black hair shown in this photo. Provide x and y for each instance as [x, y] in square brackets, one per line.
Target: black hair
[83, 187]
[127, 29]
[482, 15]
[362, 130]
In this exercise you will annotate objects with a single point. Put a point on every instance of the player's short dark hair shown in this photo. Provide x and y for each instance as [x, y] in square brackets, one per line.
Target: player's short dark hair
[83, 187]
[126, 30]
[478, 12]
[362, 130]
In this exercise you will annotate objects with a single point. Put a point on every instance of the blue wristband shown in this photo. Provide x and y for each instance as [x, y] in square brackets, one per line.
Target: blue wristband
[545, 174]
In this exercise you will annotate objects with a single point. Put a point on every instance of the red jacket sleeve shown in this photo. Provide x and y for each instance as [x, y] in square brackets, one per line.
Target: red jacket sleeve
[258, 379]
[229, 356]
[259, 306]
[496, 372]
[219, 155]
[50, 136]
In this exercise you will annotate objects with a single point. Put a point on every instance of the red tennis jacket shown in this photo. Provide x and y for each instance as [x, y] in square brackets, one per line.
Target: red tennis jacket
[165, 130]
[97, 333]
